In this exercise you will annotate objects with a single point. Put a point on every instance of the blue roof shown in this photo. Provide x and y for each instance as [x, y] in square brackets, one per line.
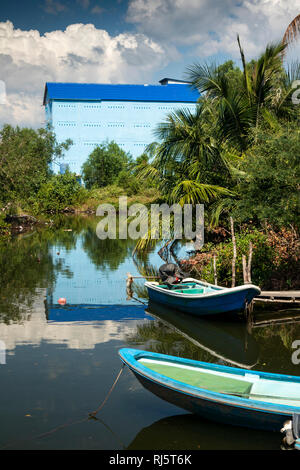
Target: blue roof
[96, 91]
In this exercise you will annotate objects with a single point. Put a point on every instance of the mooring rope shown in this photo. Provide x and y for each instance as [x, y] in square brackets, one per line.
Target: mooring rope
[91, 415]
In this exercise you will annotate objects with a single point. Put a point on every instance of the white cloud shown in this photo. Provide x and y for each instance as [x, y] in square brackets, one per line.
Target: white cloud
[167, 31]
[81, 53]
[210, 27]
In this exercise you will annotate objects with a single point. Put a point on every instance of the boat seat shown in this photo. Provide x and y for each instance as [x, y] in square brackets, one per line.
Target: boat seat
[201, 378]
[286, 393]
[192, 291]
[185, 285]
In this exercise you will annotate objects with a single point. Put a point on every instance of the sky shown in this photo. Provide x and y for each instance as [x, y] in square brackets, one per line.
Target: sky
[123, 41]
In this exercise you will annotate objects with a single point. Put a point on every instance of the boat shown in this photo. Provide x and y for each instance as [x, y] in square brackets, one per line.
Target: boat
[201, 298]
[235, 396]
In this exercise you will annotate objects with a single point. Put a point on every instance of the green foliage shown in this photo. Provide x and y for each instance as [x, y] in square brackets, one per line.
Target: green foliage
[262, 261]
[233, 74]
[238, 152]
[187, 165]
[275, 259]
[25, 156]
[129, 182]
[59, 192]
[269, 188]
[4, 228]
[104, 165]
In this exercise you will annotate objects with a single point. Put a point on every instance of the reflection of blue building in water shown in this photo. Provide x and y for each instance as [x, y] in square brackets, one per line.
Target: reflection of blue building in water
[89, 114]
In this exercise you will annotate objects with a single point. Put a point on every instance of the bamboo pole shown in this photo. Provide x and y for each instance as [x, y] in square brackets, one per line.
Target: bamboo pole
[215, 270]
[245, 271]
[249, 263]
[234, 252]
[130, 277]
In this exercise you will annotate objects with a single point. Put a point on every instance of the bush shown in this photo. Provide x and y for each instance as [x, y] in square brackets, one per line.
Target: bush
[274, 261]
[104, 165]
[129, 182]
[4, 227]
[262, 260]
[25, 156]
[270, 191]
[60, 192]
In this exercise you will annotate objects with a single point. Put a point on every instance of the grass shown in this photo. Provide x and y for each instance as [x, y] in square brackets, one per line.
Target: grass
[111, 194]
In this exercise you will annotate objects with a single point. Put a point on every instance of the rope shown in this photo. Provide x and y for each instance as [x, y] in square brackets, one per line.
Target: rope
[93, 413]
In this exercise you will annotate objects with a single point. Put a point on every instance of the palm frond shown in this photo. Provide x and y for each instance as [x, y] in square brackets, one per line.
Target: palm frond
[224, 206]
[245, 70]
[208, 79]
[292, 31]
[193, 192]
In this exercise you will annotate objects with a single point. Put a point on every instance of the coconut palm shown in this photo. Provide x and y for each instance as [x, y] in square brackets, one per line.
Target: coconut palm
[265, 85]
[188, 160]
[292, 31]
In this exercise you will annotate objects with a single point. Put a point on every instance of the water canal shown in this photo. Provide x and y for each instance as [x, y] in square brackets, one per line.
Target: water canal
[61, 360]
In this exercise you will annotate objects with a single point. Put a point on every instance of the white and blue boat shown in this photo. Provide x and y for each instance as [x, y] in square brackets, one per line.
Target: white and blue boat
[201, 298]
[220, 393]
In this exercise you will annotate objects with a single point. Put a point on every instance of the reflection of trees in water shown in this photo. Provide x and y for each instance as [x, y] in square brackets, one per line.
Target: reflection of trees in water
[106, 254]
[26, 264]
[155, 336]
[139, 289]
[274, 345]
[276, 350]
[141, 260]
[66, 228]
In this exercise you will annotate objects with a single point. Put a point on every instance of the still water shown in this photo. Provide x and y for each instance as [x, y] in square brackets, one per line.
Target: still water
[62, 360]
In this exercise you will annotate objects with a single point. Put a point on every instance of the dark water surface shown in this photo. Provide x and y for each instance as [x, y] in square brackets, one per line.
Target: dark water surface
[62, 360]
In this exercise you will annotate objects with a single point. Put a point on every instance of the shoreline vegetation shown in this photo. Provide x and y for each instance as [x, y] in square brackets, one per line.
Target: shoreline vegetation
[238, 154]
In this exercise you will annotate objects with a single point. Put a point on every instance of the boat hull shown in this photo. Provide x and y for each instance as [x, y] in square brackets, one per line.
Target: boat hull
[220, 407]
[215, 411]
[222, 301]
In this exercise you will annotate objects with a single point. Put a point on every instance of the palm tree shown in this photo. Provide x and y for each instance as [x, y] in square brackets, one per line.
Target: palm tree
[188, 159]
[292, 31]
[265, 85]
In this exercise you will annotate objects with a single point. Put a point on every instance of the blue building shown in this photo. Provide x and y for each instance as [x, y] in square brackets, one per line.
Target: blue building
[90, 114]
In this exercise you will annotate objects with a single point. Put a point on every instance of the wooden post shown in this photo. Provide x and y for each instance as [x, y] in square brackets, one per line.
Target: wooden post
[215, 269]
[245, 273]
[249, 263]
[129, 282]
[234, 252]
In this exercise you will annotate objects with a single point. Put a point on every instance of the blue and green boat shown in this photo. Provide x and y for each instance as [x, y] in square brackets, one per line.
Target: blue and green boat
[201, 298]
[220, 393]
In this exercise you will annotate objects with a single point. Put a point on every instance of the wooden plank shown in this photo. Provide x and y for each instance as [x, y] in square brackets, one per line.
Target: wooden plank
[277, 300]
[292, 294]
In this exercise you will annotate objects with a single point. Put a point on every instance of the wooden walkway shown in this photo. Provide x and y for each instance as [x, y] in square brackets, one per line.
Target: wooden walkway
[286, 296]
